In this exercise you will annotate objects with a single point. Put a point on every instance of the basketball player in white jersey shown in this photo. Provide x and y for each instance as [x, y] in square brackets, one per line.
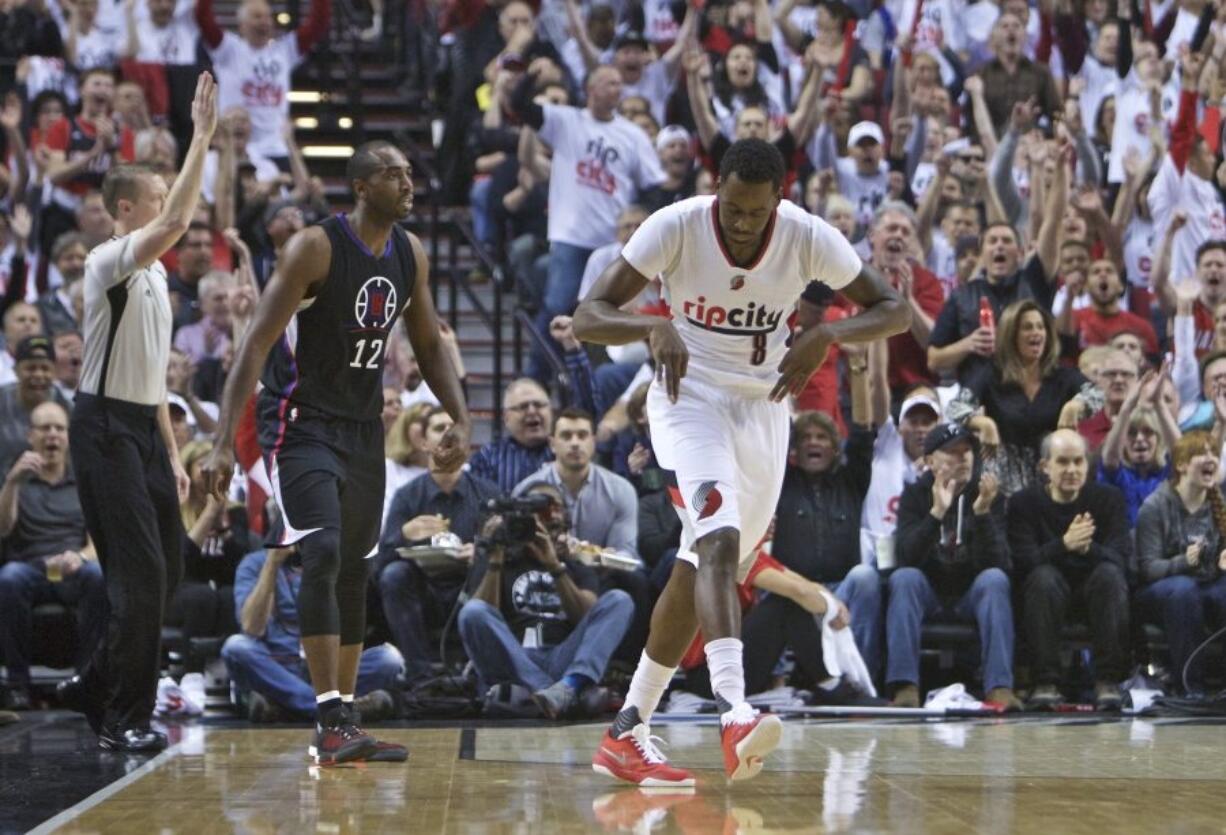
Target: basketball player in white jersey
[732, 267]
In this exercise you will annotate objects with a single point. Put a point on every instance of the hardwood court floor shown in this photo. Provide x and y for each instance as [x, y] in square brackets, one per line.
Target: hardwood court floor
[1034, 774]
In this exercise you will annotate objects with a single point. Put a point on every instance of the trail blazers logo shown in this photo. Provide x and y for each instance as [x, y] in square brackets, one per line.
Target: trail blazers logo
[707, 500]
[738, 281]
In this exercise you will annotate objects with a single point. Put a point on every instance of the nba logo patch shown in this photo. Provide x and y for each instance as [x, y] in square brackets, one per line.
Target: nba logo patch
[738, 281]
[707, 500]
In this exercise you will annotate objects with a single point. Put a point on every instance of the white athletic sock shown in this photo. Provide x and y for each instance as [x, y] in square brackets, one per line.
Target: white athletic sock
[648, 685]
[347, 698]
[327, 697]
[727, 671]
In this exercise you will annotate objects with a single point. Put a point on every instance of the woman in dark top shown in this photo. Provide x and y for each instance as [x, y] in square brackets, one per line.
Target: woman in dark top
[1027, 389]
[215, 542]
[1181, 551]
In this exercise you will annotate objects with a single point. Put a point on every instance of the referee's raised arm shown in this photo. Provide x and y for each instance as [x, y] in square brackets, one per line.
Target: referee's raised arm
[155, 238]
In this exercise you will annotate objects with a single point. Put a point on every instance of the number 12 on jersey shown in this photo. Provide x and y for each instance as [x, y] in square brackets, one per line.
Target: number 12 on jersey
[372, 359]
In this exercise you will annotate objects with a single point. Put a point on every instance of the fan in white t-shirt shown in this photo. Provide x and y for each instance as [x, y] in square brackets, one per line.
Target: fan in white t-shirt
[1098, 72]
[254, 67]
[600, 160]
[863, 176]
[1185, 183]
[92, 41]
[898, 456]
[642, 74]
[168, 33]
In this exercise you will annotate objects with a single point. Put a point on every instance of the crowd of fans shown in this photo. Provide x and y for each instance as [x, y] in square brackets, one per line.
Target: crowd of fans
[1043, 184]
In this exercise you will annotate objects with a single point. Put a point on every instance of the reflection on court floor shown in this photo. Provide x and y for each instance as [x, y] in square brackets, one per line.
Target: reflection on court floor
[1040, 774]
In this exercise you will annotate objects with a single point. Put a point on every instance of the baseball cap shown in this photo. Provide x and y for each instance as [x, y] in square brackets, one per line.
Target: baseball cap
[35, 348]
[919, 400]
[946, 434]
[175, 402]
[671, 133]
[861, 131]
[631, 37]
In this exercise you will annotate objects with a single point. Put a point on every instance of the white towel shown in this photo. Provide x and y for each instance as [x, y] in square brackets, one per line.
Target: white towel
[839, 652]
[954, 696]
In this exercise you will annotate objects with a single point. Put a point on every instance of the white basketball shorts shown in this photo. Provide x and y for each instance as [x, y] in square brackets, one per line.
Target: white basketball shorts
[728, 454]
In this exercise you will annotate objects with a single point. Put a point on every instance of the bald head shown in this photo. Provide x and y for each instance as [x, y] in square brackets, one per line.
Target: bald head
[48, 435]
[1065, 461]
[527, 412]
[255, 22]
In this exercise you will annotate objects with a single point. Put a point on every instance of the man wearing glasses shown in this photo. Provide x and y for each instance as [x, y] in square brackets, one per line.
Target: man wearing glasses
[524, 448]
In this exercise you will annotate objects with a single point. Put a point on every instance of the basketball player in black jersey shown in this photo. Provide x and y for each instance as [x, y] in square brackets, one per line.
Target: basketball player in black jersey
[320, 333]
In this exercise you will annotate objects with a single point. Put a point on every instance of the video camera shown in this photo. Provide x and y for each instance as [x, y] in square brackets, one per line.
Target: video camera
[519, 515]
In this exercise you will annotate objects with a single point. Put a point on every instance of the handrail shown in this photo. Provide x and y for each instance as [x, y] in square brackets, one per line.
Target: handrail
[457, 233]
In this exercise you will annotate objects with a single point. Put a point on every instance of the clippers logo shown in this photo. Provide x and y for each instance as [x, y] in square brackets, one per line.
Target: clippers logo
[375, 306]
[738, 321]
[707, 500]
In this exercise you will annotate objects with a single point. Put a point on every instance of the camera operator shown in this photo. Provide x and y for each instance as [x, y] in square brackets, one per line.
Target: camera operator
[528, 580]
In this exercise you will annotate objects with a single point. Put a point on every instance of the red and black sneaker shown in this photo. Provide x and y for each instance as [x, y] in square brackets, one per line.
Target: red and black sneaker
[388, 752]
[747, 737]
[338, 740]
[385, 752]
[634, 757]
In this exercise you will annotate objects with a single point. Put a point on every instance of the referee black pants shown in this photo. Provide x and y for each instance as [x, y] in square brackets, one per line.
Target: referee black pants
[131, 509]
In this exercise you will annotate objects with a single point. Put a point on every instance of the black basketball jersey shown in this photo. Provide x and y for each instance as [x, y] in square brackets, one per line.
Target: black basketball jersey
[331, 356]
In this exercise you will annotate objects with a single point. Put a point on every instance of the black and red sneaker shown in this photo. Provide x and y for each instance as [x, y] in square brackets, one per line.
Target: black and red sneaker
[338, 740]
[388, 752]
[385, 752]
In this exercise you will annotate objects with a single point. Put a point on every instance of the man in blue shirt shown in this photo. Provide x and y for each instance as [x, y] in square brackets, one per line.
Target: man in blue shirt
[528, 418]
[428, 505]
[265, 660]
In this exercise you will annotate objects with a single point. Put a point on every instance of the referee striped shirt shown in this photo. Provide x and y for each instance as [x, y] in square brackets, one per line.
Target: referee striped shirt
[127, 327]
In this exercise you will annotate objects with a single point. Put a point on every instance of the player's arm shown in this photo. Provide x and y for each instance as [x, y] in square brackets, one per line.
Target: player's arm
[437, 368]
[883, 313]
[600, 319]
[302, 268]
[151, 241]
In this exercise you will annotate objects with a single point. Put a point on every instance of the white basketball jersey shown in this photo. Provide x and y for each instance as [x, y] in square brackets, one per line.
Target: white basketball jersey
[733, 319]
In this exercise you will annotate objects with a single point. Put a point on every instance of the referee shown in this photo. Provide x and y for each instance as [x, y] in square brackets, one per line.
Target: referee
[123, 450]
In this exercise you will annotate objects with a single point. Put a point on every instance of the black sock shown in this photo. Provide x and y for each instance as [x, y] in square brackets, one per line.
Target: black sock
[625, 721]
[322, 709]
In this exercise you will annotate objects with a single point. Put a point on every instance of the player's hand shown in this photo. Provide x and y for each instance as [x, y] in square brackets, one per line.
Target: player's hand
[671, 356]
[217, 470]
[452, 449]
[806, 355]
